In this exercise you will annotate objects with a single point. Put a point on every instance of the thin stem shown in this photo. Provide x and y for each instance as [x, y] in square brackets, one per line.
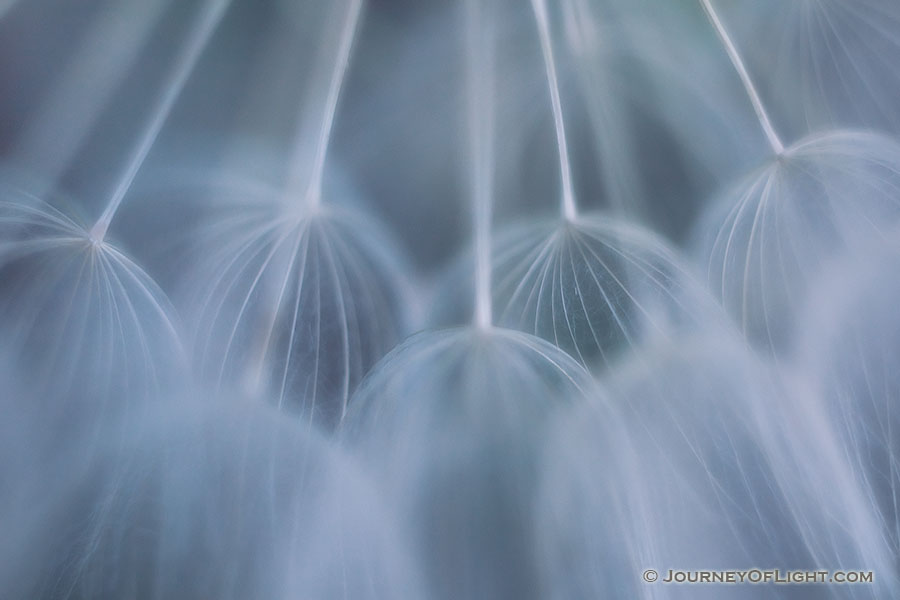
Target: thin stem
[569, 209]
[313, 195]
[480, 113]
[209, 18]
[734, 55]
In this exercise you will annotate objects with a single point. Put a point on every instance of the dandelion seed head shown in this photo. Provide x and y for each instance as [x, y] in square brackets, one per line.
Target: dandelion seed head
[297, 305]
[765, 239]
[593, 286]
[87, 323]
[450, 424]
